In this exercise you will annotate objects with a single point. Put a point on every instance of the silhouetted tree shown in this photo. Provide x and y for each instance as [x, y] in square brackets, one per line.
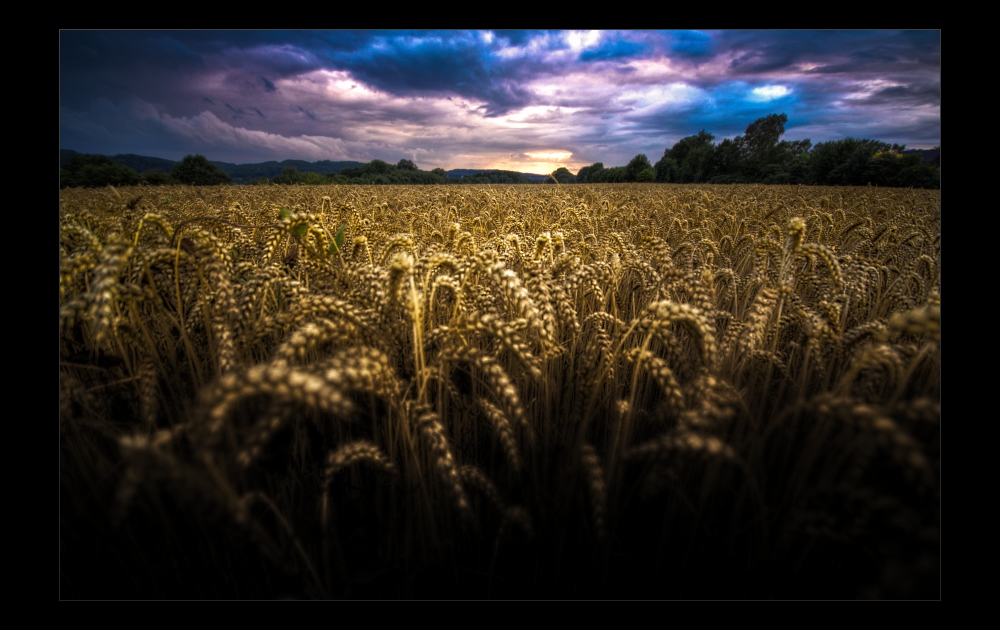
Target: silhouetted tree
[312, 178]
[637, 165]
[892, 168]
[843, 162]
[563, 176]
[594, 172]
[289, 175]
[761, 139]
[666, 169]
[95, 171]
[376, 167]
[727, 162]
[198, 171]
[156, 178]
[689, 160]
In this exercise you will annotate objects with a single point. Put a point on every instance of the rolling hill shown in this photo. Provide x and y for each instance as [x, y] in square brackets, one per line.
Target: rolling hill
[246, 173]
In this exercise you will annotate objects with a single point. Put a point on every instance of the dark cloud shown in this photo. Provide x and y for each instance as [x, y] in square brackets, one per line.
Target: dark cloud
[614, 49]
[909, 95]
[691, 44]
[877, 60]
[268, 85]
[504, 96]
[440, 63]
[923, 131]
[101, 51]
[514, 38]
[120, 64]
[308, 113]
[175, 53]
[838, 51]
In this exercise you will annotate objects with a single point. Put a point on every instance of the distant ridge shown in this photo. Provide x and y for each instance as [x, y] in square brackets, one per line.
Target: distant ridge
[930, 155]
[458, 173]
[246, 173]
[142, 163]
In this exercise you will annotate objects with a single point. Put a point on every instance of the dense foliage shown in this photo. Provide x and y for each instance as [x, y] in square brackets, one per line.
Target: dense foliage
[198, 171]
[494, 177]
[379, 172]
[760, 156]
[95, 171]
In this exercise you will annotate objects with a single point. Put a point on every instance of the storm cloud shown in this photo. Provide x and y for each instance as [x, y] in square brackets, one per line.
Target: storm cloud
[524, 100]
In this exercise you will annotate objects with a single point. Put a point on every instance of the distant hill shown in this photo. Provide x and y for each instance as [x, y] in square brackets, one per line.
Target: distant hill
[458, 173]
[142, 163]
[239, 173]
[930, 155]
[138, 163]
[246, 173]
[65, 155]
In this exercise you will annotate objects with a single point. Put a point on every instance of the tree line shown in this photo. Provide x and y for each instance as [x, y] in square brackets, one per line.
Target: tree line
[760, 156]
[757, 156]
[94, 171]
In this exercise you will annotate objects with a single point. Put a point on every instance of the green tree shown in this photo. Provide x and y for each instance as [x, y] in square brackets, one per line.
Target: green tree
[337, 178]
[798, 169]
[376, 167]
[289, 175]
[637, 165]
[563, 176]
[95, 171]
[696, 166]
[761, 140]
[594, 172]
[727, 162]
[156, 178]
[198, 171]
[406, 165]
[892, 168]
[614, 175]
[679, 152]
[843, 162]
[495, 177]
[666, 168]
[689, 160]
[312, 178]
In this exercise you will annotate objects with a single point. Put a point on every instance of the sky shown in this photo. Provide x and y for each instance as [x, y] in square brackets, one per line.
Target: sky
[529, 101]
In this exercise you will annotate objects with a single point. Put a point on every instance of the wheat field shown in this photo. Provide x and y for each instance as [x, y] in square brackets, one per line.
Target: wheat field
[591, 391]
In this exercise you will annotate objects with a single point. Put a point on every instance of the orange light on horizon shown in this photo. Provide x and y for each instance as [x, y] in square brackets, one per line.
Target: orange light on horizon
[536, 168]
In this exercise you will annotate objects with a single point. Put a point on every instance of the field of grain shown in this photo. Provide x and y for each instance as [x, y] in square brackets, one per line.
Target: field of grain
[588, 391]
